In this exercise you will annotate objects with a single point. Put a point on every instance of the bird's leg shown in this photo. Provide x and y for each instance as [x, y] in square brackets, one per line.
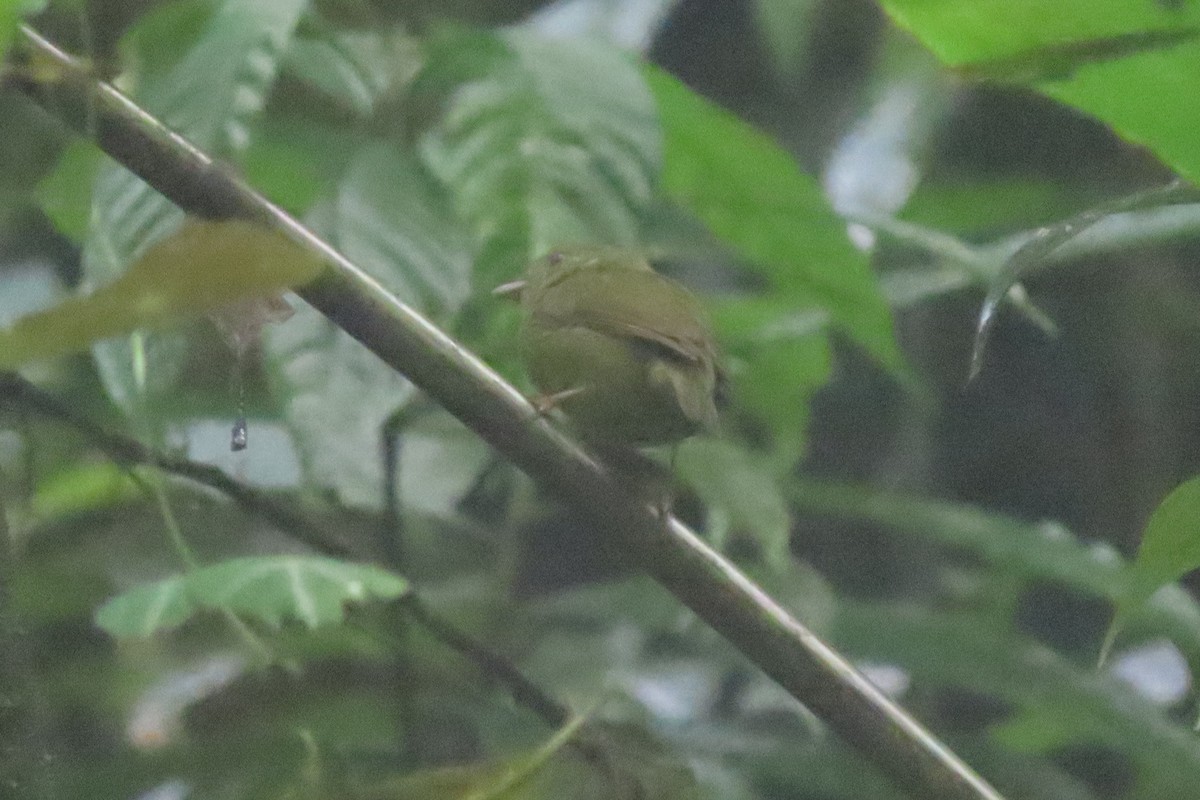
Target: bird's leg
[545, 403]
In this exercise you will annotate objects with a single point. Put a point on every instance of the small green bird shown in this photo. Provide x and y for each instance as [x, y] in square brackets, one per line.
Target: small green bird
[626, 353]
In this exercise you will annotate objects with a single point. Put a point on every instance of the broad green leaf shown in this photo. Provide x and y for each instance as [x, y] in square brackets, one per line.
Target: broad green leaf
[355, 67]
[987, 205]
[309, 589]
[11, 12]
[1169, 550]
[752, 195]
[296, 160]
[80, 489]
[978, 653]
[1030, 551]
[1133, 65]
[211, 95]
[162, 37]
[740, 495]
[390, 215]
[394, 221]
[312, 590]
[336, 397]
[555, 142]
[65, 195]
[147, 609]
[289, 172]
[778, 360]
[969, 31]
[204, 266]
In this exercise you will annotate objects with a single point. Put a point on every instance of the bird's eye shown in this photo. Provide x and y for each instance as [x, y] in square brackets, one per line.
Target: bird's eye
[555, 259]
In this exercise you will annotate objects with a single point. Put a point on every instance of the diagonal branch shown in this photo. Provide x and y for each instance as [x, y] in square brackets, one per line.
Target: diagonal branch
[18, 393]
[456, 379]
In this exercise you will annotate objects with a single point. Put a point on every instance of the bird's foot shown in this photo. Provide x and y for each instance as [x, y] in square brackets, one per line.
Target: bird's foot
[545, 403]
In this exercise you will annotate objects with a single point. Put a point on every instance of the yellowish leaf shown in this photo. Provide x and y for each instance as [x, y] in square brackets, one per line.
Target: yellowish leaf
[202, 267]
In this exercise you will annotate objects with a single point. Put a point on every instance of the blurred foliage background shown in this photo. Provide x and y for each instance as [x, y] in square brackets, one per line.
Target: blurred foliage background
[963, 542]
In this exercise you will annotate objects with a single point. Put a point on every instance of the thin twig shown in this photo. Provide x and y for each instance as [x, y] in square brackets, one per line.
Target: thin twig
[1044, 241]
[16, 392]
[491, 664]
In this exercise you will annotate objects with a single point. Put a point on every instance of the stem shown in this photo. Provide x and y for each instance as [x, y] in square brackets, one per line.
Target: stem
[17, 392]
[153, 479]
[460, 382]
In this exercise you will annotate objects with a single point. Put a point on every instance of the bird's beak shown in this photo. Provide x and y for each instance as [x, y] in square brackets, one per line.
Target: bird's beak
[511, 290]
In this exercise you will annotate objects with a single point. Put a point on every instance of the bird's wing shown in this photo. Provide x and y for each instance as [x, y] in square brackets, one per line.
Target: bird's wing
[641, 305]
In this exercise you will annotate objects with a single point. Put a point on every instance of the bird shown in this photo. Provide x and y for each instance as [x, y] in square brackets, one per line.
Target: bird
[627, 354]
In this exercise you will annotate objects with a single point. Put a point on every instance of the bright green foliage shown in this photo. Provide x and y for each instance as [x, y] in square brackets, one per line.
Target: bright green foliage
[1099, 57]
[11, 12]
[82, 490]
[1170, 549]
[271, 589]
[751, 194]
[538, 153]
[66, 193]
[776, 369]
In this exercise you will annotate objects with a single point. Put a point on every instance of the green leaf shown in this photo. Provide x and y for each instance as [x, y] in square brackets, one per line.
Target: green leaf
[739, 493]
[394, 221]
[163, 36]
[1033, 552]
[979, 653]
[1134, 66]
[1169, 550]
[777, 361]
[149, 608]
[556, 142]
[273, 589]
[204, 266]
[11, 12]
[354, 67]
[390, 217]
[319, 373]
[991, 204]
[752, 195]
[211, 94]
[296, 159]
[65, 195]
[310, 589]
[81, 489]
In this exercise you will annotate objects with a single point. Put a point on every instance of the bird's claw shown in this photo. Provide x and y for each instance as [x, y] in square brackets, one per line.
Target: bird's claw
[545, 403]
